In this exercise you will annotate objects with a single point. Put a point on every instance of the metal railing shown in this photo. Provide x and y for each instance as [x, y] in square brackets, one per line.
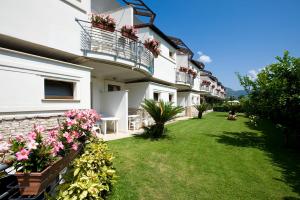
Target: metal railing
[185, 78]
[115, 44]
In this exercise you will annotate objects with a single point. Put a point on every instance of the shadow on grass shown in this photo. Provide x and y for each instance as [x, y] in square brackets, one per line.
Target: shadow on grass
[271, 141]
[146, 136]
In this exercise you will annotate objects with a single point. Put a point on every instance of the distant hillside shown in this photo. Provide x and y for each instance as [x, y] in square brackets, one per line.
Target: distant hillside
[235, 93]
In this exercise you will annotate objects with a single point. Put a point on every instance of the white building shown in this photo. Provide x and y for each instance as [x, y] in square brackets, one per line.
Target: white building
[52, 59]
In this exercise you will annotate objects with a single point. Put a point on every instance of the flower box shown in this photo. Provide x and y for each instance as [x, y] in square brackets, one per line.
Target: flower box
[104, 27]
[36, 182]
[130, 36]
[183, 69]
[153, 46]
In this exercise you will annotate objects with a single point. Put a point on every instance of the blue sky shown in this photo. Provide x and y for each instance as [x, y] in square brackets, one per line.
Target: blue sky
[238, 35]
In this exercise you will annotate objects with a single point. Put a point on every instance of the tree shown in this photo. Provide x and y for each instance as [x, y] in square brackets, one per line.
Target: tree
[275, 94]
[161, 112]
[201, 108]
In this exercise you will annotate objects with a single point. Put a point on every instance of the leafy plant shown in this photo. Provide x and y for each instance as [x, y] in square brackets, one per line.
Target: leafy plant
[201, 108]
[161, 112]
[91, 176]
[275, 94]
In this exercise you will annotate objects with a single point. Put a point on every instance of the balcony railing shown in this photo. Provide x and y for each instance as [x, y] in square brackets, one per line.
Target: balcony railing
[114, 44]
[184, 78]
[204, 88]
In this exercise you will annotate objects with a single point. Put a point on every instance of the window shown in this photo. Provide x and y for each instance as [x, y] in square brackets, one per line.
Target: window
[171, 54]
[58, 89]
[112, 88]
[156, 96]
[170, 97]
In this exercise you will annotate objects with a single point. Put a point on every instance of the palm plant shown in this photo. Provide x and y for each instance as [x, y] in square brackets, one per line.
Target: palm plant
[201, 108]
[161, 112]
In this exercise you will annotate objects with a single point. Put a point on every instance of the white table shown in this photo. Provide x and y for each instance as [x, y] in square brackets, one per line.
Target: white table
[115, 120]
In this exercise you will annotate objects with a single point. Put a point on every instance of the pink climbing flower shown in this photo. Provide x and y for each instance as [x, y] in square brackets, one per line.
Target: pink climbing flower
[32, 135]
[39, 128]
[22, 155]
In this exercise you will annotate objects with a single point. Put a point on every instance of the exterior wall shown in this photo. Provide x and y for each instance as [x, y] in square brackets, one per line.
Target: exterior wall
[23, 124]
[164, 65]
[22, 83]
[53, 22]
[104, 6]
[197, 81]
[137, 92]
[164, 92]
[188, 100]
[123, 16]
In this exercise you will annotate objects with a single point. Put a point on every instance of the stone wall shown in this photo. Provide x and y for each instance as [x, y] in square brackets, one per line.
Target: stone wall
[14, 125]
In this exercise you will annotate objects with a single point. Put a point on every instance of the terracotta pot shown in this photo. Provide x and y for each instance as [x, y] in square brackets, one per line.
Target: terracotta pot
[104, 27]
[130, 36]
[35, 182]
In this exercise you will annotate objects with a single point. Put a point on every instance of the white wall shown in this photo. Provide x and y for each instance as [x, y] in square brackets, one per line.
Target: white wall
[182, 60]
[116, 104]
[163, 90]
[22, 83]
[164, 65]
[101, 6]
[49, 23]
[123, 16]
[137, 92]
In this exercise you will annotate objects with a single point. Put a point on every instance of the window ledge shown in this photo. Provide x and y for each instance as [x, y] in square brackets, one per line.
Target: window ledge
[61, 100]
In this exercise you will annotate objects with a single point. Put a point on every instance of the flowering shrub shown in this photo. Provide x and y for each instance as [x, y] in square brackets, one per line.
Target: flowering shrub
[74, 131]
[129, 31]
[153, 46]
[103, 21]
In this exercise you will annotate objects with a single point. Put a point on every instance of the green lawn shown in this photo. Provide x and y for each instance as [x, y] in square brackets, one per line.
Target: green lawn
[211, 158]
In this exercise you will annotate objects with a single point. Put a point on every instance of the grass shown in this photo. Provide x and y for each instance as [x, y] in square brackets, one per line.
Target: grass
[210, 158]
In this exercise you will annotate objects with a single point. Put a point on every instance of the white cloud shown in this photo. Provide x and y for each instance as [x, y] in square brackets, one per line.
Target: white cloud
[204, 58]
[252, 74]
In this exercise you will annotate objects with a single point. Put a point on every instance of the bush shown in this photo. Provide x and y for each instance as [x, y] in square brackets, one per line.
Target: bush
[201, 108]
[91, 176]
[161, 112]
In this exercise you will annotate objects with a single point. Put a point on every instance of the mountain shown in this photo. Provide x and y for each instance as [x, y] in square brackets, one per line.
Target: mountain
[235, 93]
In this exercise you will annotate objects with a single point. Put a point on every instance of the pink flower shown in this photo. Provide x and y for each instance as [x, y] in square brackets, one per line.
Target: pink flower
[22, 155]
[39, 128]
[4, 147]
[68, 137]
[32, 135]
[32, 145]
[1, 137]
[71, 122]
[75, 146]
[20, 138]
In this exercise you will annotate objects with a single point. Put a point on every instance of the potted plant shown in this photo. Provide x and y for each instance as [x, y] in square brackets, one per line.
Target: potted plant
[105, 22]
[213, 86]
[194, 74]
[183, 69]
[153, 46]
[129, 32]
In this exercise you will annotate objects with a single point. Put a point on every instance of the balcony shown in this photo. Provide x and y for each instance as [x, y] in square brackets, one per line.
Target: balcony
[204, 88]
[114, 47]
[184, 79]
